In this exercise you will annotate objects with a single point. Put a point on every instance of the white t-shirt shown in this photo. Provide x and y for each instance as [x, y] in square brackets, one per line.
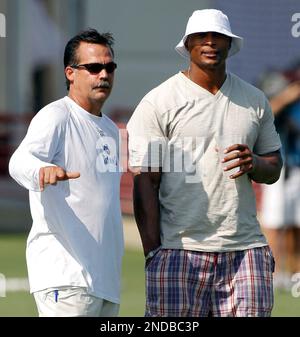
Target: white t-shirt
[176, 126]
[76, 237]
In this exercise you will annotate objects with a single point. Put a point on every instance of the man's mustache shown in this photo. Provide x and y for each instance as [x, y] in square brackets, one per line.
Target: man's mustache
[103, 84]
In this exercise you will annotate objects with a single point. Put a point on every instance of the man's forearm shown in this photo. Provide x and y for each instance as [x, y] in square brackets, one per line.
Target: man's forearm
[146, 210]
[266, 168]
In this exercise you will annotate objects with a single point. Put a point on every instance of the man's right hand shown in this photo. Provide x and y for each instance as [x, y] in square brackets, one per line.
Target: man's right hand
[52, 174]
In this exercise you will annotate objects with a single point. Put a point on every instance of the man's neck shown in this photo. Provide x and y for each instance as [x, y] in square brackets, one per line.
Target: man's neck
[209, 79]
[94, 109]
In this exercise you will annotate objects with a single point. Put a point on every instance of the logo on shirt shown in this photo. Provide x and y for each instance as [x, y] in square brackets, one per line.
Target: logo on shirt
[105, 153]
[107, 160]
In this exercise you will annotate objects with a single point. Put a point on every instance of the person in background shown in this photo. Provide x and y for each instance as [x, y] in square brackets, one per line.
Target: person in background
[68, 161]
[280, 203]
[193, 198]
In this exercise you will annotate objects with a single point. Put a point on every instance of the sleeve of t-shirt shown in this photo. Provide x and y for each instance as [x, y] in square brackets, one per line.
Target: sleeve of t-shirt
[147, 140]
[38, 148]
[268, 139]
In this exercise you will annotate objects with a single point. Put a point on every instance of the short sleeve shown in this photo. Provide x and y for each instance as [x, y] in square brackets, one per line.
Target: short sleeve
[147, 141]
[268, 139]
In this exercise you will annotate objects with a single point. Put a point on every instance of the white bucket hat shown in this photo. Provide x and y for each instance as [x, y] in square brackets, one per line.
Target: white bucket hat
[209, 20]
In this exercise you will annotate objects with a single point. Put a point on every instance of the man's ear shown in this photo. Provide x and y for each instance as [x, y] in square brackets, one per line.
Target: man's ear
[69, 72]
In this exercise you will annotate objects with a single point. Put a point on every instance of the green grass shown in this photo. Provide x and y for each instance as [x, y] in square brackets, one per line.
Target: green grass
[286, 305]
[17, 304]
[21, 303]
[12, 264]
[12, 252]
[133, 288]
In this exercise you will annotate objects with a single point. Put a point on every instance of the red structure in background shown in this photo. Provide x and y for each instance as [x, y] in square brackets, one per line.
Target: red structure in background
[5, 150]
[9, 124]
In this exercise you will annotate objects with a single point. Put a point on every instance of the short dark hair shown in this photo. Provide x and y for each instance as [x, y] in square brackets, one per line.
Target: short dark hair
[90, 36]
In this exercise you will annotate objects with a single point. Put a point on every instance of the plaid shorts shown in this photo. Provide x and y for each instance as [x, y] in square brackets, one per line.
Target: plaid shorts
[182, 283]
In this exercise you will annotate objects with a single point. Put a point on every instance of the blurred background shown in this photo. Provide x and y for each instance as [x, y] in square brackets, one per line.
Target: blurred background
[31, 75]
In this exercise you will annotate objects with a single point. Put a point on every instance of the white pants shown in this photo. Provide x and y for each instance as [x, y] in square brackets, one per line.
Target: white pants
[73, 302]
[281, 202]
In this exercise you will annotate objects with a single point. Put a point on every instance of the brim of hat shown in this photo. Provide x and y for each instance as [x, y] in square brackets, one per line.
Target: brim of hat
[236, 45]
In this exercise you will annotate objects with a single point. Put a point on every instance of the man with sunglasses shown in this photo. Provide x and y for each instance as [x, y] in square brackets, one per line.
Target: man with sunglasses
[69, 163]
[205, 253]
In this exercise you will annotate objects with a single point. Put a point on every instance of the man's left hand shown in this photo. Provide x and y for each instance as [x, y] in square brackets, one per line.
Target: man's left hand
[239, 155]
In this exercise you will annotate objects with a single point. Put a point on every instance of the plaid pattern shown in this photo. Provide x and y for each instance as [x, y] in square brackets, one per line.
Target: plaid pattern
[182, 283]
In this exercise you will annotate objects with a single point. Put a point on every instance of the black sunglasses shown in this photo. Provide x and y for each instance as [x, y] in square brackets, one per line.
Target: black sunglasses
[95, 68]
